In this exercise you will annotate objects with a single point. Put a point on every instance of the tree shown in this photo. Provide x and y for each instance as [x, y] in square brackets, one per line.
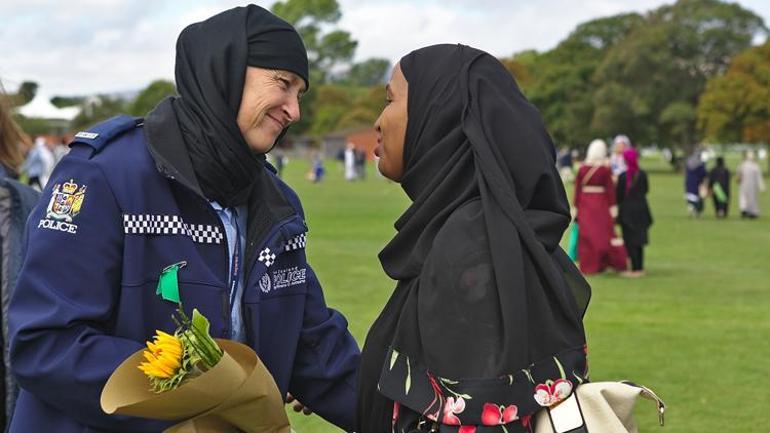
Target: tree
[148, 98]
[344, 107]
[559, 81]
[326, 49]
[98, 109]
[518, 70]
[27, 92]
[333, 102]
[367, 73]
[67, 101]
[736, 106]
[662, 67]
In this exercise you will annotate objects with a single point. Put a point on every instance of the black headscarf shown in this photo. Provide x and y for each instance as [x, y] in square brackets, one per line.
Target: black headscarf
[211, 61]
[483, 290]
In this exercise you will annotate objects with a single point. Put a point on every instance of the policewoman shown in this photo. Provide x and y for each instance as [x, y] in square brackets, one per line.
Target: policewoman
[185, 190]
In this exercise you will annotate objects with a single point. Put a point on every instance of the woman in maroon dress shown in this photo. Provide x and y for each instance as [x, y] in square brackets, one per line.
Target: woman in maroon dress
[595, 204]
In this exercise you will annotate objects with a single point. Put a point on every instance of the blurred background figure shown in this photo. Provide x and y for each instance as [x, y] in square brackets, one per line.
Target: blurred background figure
[350, 162]
[12, 140]
[595, 210]
[16, 201]
[280, 160]
[317, 169]
[751, 184]
[39, 163]
[634, 214]
[360, 164]
[59, 149]
[719, 187]
[617, 163]
[564, 165]
[695, 173]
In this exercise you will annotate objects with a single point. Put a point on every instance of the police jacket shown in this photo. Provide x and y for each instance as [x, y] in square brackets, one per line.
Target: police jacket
[117, 210]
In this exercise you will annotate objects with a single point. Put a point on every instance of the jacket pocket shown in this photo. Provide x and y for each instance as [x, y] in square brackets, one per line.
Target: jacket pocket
[141, 311]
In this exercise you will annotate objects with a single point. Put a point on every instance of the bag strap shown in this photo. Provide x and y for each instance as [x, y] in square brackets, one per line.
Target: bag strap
[589, 175]
[650, 395]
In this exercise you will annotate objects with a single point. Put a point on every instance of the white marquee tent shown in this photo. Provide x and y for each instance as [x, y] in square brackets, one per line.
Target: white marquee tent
[40, 107]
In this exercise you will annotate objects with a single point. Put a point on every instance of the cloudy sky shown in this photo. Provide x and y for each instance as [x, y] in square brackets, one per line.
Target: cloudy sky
[79, 47]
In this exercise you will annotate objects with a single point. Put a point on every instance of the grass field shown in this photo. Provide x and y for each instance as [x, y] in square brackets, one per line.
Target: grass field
[696, 329]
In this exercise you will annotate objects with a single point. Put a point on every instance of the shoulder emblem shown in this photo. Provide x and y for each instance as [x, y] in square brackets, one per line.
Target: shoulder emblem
[66, 201]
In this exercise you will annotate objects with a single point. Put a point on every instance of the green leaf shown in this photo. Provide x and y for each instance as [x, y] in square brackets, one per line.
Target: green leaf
[579, 379]
[408, 383]
[529, 375]
[200, 322]
[561, 369]
[393, 357]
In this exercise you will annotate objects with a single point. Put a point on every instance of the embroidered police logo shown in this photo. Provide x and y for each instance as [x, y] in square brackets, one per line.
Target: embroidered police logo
[289, 277]
[264, 283]
[66, 201]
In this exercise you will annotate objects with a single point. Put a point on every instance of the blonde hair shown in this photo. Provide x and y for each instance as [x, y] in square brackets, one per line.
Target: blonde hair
[11, 137]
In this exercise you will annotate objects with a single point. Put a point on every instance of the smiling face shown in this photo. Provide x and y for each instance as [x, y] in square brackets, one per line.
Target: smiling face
[391, 127]
[269, 104]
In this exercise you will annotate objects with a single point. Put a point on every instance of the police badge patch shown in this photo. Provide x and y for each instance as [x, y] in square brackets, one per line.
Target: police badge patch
[264, 283]
[66, 201]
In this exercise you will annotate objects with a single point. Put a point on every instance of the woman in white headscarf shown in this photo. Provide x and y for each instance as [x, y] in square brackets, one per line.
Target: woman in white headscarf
[751, 184]
[617, 163]
[595, 204]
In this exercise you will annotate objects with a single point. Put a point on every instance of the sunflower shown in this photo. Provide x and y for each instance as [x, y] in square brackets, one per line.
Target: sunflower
[163, 356]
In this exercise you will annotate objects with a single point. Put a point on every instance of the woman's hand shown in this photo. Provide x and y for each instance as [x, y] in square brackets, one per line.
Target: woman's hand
[297, 406]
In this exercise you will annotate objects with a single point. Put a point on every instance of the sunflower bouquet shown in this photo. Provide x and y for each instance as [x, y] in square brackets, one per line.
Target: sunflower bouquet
[205, 385]
[171, 359]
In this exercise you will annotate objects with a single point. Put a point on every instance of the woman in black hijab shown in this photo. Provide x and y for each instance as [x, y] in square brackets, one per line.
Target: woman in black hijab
[214, 59]
[484, 327]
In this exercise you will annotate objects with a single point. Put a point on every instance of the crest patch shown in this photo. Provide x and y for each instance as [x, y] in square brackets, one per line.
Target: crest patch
[66, 201]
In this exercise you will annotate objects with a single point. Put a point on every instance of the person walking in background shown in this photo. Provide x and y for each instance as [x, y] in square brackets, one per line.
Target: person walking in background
[350, 162]
[595, 209]
[634, 214]
[360, 164]
[695, 173]
[617, 163]
[60, 150]
[16, 202]
[564, 164]
[318, 169]
[39, 164]
[751, 184]
[719, 188]
[280, 161]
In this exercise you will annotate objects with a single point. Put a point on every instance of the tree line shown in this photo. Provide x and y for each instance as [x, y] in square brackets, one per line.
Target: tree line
[679, 75]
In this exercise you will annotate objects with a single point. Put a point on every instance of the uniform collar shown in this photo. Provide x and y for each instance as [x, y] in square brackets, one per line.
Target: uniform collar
[167, 147]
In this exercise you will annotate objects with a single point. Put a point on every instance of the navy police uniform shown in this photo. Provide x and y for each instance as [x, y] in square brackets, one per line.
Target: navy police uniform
[117, 211]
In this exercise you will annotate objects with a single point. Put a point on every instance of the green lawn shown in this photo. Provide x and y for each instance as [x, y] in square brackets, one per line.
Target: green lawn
[696, 329]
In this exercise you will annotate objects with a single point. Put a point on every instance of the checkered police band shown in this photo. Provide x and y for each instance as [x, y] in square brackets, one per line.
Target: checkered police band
[266, 257]
[171, 225]
[296, 242]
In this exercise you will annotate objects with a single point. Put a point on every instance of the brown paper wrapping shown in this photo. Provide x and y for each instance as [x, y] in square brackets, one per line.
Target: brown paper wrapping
[236, 395]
